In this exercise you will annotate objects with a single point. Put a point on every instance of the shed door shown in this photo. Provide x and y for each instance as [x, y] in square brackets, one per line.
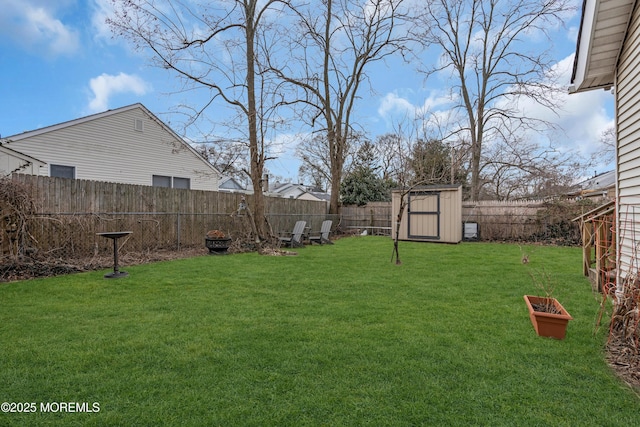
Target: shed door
[423, 215]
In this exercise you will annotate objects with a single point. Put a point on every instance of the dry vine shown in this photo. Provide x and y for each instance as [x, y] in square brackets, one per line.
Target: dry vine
[624, 335]
[16, 207]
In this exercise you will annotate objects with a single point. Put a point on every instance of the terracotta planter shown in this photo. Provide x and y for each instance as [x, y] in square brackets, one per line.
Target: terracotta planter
[548, 324]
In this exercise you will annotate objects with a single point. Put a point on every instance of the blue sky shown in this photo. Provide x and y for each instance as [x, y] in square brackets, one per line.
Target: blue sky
[60, 62]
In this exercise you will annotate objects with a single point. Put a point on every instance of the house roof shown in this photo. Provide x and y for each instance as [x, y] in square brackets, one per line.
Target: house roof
[288, 188]
[19, 155]
[107, 113]
[321, 196]
[24, 160]
[599, 182]
[603, 28]
[229, 183]
[296, 191]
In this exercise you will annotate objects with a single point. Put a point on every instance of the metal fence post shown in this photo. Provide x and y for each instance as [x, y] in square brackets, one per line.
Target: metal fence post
[178, 232]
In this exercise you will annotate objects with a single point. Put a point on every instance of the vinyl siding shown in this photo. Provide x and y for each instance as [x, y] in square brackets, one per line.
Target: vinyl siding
[108, 148]
[13, 162]
[628, 155]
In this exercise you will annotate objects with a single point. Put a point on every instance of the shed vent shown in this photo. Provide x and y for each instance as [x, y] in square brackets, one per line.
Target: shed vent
[138, 125]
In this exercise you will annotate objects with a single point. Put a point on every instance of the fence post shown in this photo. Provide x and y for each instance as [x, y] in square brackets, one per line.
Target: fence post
[178, 231]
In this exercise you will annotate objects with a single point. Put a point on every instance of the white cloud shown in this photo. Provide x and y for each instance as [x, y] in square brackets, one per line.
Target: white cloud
[105, 85]
[395, 107]
[392, 105]
[33, 25]
[582, 118]
[102, 10]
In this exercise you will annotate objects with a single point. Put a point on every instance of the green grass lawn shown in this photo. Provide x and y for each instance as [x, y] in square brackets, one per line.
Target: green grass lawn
[335, 336]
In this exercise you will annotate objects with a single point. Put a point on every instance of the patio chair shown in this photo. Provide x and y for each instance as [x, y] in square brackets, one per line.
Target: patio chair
[323, 237]
[295, 239]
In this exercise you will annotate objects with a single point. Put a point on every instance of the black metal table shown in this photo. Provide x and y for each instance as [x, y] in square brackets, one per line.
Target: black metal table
[115, 235]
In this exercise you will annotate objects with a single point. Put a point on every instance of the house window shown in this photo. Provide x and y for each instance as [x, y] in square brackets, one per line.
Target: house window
[181, 183]
[171, 182]
[161, 181]
[138, 125]
[61, 171]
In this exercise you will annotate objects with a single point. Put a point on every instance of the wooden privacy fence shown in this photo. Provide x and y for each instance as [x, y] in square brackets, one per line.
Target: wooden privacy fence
[548, 221]
[374, 217]
[531, 221]
[74, 236]
[504, 221]
[61, 195]
[69, 213]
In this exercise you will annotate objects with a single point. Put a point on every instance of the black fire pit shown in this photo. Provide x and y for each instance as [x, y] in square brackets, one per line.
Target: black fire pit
[218, 246]
[115, 235]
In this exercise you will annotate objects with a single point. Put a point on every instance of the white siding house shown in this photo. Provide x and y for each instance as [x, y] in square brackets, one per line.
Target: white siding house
[12, 161]
[293, 191]
[127, 145]
[606, 57]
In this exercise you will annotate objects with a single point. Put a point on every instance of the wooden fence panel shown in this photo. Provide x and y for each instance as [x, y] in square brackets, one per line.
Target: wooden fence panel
[71, 212]
[375, 217]
[60, 195]
[528, 220]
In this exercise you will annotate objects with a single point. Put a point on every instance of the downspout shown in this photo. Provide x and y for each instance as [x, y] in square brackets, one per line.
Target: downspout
[619, 284]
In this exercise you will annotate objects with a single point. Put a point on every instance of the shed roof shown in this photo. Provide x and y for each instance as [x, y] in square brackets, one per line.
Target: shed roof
[435, 187]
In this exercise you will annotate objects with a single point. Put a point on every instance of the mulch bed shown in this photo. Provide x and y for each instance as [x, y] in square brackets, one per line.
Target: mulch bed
[23, 268]
[13, 270]
[624, 359]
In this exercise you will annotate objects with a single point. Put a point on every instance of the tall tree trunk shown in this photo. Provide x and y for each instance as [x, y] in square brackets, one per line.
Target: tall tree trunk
[475, 171]
[256, 149]
[396, 250]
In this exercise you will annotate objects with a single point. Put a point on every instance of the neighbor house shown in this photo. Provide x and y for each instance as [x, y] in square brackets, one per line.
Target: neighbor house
[290, 190]
[126, 145]
[601, 187]
[231, 185]
[12, 161]
[607, 58]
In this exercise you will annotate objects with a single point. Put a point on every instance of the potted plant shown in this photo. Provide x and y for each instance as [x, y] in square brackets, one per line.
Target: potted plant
[217, 242]
[548, 316]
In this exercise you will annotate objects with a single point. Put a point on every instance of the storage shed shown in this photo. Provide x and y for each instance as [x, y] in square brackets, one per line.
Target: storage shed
[432, 214]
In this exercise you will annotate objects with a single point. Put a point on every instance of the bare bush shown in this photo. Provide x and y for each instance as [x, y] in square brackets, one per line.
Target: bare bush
[16, 207]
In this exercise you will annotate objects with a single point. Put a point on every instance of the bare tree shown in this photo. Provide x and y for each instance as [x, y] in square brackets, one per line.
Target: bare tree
[403, 144]
[607, 154]
[522, 169]
[216, 47]
[385, 146]
[483, 47]
[229, 157]
[336, 41]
